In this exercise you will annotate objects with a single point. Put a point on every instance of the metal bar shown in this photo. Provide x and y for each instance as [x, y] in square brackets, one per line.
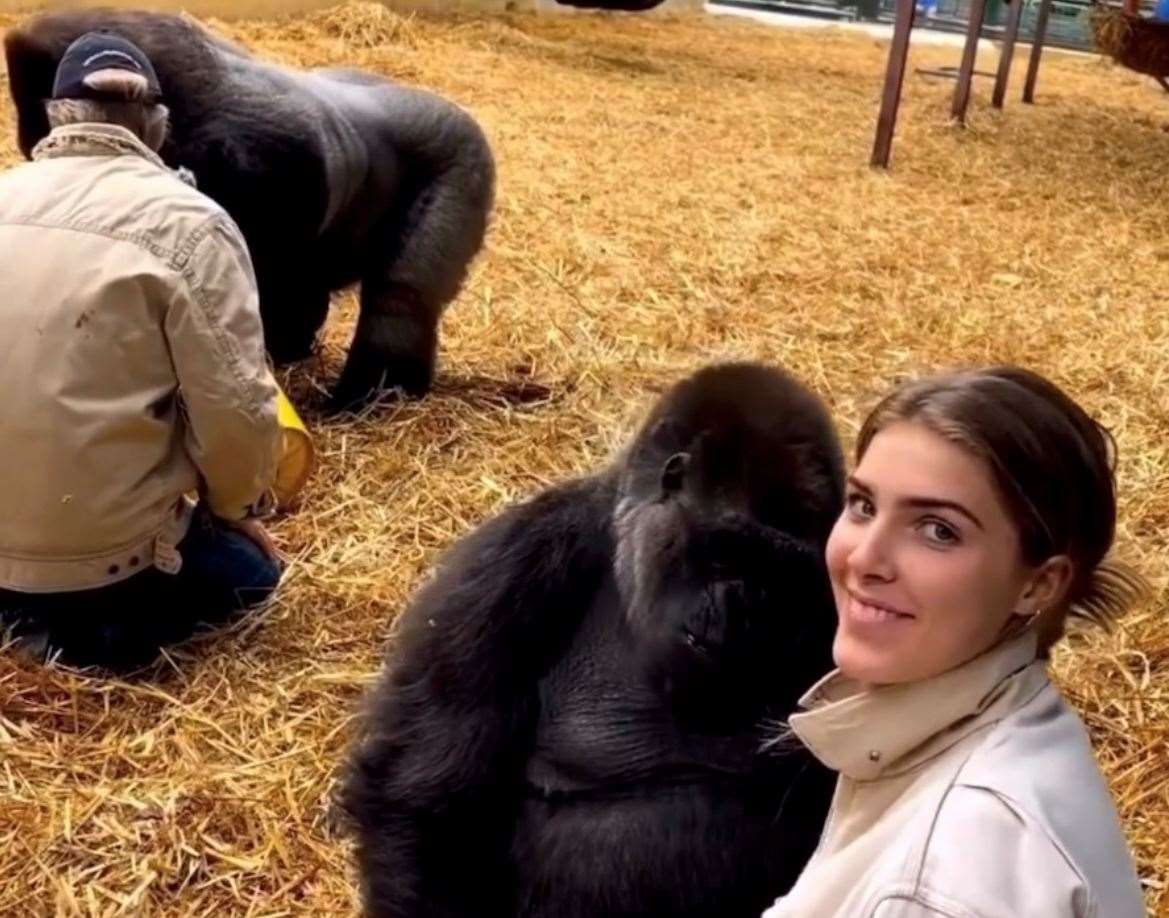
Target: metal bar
[1007, 54]
[969, 54]
[1036, 50]
[894, 77]
[948, 73]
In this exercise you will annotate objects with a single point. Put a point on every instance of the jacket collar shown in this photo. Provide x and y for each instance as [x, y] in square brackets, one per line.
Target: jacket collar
[870, 732]
[93, 139]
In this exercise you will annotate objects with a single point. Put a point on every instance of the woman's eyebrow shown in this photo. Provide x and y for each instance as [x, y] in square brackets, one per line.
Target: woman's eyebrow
[858, 484]
[922, 503]
[935, 503]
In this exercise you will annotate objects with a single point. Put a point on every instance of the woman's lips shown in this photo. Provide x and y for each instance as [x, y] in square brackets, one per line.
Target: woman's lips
[867, 612]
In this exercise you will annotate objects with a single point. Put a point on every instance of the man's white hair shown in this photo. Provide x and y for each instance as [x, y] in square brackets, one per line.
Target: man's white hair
[127, 106]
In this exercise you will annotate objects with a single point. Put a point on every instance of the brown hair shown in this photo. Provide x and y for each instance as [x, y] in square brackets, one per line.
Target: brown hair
[1054, 467]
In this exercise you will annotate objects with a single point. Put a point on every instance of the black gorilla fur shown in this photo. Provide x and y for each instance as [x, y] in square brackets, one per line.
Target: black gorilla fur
[333, 177]
[575, 712]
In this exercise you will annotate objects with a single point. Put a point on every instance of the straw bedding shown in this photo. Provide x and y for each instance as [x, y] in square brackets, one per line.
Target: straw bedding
[672, 192]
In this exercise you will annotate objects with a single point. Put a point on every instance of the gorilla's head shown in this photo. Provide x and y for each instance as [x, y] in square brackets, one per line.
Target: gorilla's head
[727, 498]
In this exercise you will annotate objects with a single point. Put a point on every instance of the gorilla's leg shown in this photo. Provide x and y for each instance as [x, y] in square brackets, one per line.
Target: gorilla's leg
[429, 243]
[395, 345]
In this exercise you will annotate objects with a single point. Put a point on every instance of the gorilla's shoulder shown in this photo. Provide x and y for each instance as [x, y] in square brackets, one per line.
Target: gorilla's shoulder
[574, 515]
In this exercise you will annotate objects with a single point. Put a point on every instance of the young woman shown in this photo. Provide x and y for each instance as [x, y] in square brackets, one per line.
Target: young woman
[977, 521]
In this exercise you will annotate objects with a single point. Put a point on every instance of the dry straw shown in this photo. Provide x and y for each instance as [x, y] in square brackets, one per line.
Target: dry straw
[671, 192]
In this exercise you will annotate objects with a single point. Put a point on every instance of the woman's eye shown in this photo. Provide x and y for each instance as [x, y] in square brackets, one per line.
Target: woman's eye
[940, 533]
[860, 506]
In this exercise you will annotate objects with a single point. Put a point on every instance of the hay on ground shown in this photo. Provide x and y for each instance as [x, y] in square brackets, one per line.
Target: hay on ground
[672, 192]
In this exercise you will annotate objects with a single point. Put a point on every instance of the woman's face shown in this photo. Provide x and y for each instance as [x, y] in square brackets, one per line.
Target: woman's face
[925, 562]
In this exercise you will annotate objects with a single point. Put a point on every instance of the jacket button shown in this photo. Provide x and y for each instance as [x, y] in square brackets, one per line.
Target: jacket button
[114, 569]
[874, 755]
[134, 561]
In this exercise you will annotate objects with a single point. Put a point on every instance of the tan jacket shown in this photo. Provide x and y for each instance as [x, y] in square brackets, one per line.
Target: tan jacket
[970, 795]
[132, 365]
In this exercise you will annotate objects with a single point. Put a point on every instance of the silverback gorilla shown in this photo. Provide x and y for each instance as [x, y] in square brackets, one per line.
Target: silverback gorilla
[334, 176]
[574, 717]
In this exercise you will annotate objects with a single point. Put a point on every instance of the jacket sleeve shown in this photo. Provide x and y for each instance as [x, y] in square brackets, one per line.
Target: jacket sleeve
[987, 858]
[228, 394]
[913, 906]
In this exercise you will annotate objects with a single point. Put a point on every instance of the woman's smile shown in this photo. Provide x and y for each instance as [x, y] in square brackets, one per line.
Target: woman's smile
[864, 611]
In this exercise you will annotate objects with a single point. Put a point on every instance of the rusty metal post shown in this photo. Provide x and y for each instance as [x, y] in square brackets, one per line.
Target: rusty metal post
[1007, 54]
[969, 54]
[894, 76]
[1036, 50]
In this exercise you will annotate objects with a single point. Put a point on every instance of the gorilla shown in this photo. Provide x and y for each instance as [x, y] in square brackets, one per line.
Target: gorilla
[578, 714]
[334, 177]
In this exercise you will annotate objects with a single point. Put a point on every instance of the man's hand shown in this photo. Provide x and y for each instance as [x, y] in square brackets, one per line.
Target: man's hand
[255, 531]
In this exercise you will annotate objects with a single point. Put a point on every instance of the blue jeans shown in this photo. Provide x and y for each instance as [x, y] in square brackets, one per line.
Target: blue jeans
[122, 626]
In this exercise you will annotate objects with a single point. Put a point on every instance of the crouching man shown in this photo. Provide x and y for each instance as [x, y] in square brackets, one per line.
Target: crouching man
[132, 374]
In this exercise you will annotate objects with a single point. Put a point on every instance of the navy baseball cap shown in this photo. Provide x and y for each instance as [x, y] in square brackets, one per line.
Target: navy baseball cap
[96, 51]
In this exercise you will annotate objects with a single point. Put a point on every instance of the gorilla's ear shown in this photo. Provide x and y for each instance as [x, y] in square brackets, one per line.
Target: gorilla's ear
[674, 473]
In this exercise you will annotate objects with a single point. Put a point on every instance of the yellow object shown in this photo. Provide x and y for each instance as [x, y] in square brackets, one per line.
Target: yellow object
[297, 456]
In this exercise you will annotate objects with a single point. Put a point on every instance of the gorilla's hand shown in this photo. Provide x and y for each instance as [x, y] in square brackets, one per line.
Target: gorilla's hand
[716, 621]
[741, 598]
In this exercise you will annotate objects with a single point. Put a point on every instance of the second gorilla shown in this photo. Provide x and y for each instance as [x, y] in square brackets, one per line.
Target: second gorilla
[575, 713]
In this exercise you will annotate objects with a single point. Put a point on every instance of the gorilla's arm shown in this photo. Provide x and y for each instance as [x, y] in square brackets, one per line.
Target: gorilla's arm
[435, 786]
[445, 193]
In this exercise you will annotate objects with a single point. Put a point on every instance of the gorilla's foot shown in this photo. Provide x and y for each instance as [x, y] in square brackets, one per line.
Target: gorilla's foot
[363, 381]
[389, 353]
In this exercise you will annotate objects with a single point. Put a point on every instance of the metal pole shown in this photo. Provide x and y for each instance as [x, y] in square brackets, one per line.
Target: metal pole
[969, 53]
[1007, 54]
[1036, 50]
[894, 76]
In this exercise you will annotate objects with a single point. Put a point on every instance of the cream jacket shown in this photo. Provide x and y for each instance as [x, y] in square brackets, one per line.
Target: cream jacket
[970, 795]
[132, 366]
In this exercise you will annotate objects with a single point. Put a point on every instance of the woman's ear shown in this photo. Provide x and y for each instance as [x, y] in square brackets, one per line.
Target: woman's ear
[1046, 587]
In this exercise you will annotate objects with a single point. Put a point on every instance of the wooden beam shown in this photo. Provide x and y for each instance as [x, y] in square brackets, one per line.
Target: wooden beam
[894, 77]
[1036, 50]
[1007, 53]
[969, 54]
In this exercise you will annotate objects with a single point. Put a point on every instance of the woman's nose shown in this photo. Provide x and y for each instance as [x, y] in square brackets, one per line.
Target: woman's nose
[871, 556]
